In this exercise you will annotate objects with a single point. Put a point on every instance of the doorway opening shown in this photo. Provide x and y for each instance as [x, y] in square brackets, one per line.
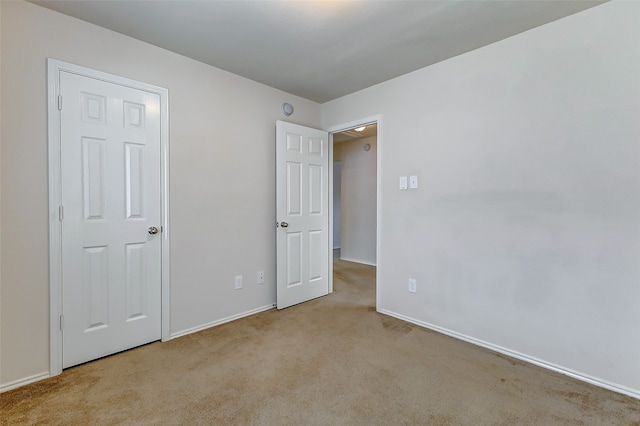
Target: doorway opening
[355, 199]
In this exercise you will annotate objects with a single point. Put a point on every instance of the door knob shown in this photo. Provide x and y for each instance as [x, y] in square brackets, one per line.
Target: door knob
[153, 230]
[284, 224]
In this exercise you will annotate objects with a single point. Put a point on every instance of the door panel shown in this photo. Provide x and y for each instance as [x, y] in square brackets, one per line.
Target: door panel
[134, 179]
[294, 189]
[111, 265]
[136, 297]
[93, 164]
[302, 200]
[95, 286]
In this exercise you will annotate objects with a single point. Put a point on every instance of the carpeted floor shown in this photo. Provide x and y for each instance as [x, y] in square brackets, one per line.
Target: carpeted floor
[330, 361]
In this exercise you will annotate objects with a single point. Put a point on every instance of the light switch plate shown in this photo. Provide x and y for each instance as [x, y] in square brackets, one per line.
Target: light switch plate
[403, 183]
[413, 182]
[412, 285]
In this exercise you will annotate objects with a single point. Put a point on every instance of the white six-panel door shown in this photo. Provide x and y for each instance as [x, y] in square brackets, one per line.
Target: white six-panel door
[111, 257]
[302, 179]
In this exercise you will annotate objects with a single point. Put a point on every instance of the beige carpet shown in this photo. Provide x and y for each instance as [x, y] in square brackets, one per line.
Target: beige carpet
[331, 361]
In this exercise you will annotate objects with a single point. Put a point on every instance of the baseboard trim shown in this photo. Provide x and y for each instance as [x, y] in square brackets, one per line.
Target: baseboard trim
[25, 381]
[364, 262]
[220, 321]
[514, 354]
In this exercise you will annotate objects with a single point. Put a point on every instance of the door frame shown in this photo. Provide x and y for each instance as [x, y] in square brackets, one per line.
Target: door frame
[54, 67]
[377, 119]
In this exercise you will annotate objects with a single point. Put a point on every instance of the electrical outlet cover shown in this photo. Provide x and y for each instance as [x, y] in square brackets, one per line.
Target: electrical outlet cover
[413, 182]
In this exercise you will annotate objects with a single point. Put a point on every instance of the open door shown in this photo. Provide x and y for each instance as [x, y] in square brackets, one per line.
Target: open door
[302, 200]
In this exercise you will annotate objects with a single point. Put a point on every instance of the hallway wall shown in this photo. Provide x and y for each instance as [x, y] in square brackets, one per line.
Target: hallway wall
[359, 191]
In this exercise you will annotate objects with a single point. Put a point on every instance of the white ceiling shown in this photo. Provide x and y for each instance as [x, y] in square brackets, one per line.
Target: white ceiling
[319, 50]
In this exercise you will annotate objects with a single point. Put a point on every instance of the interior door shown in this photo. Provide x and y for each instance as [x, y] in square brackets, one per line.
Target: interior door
[111, 248]
[302, 196]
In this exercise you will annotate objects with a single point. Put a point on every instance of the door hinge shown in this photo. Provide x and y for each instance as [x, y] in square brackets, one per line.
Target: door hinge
[61, 213]
[61, 322]
[59, 102]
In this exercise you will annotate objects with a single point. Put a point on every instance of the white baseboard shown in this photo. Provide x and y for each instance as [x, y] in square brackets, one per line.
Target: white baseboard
[364, 262]
[221, 321]
[25, 381]
[523, 357]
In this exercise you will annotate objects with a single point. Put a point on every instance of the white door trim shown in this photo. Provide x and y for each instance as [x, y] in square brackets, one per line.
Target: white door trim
[54, 67]
[340, 128]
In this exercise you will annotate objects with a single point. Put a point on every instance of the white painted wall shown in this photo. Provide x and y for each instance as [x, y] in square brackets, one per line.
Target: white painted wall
[222, 177]
[358, 212]
[525, 231]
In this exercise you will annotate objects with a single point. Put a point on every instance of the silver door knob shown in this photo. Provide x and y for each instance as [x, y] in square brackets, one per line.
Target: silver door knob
[284, 224]
[153, 230]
